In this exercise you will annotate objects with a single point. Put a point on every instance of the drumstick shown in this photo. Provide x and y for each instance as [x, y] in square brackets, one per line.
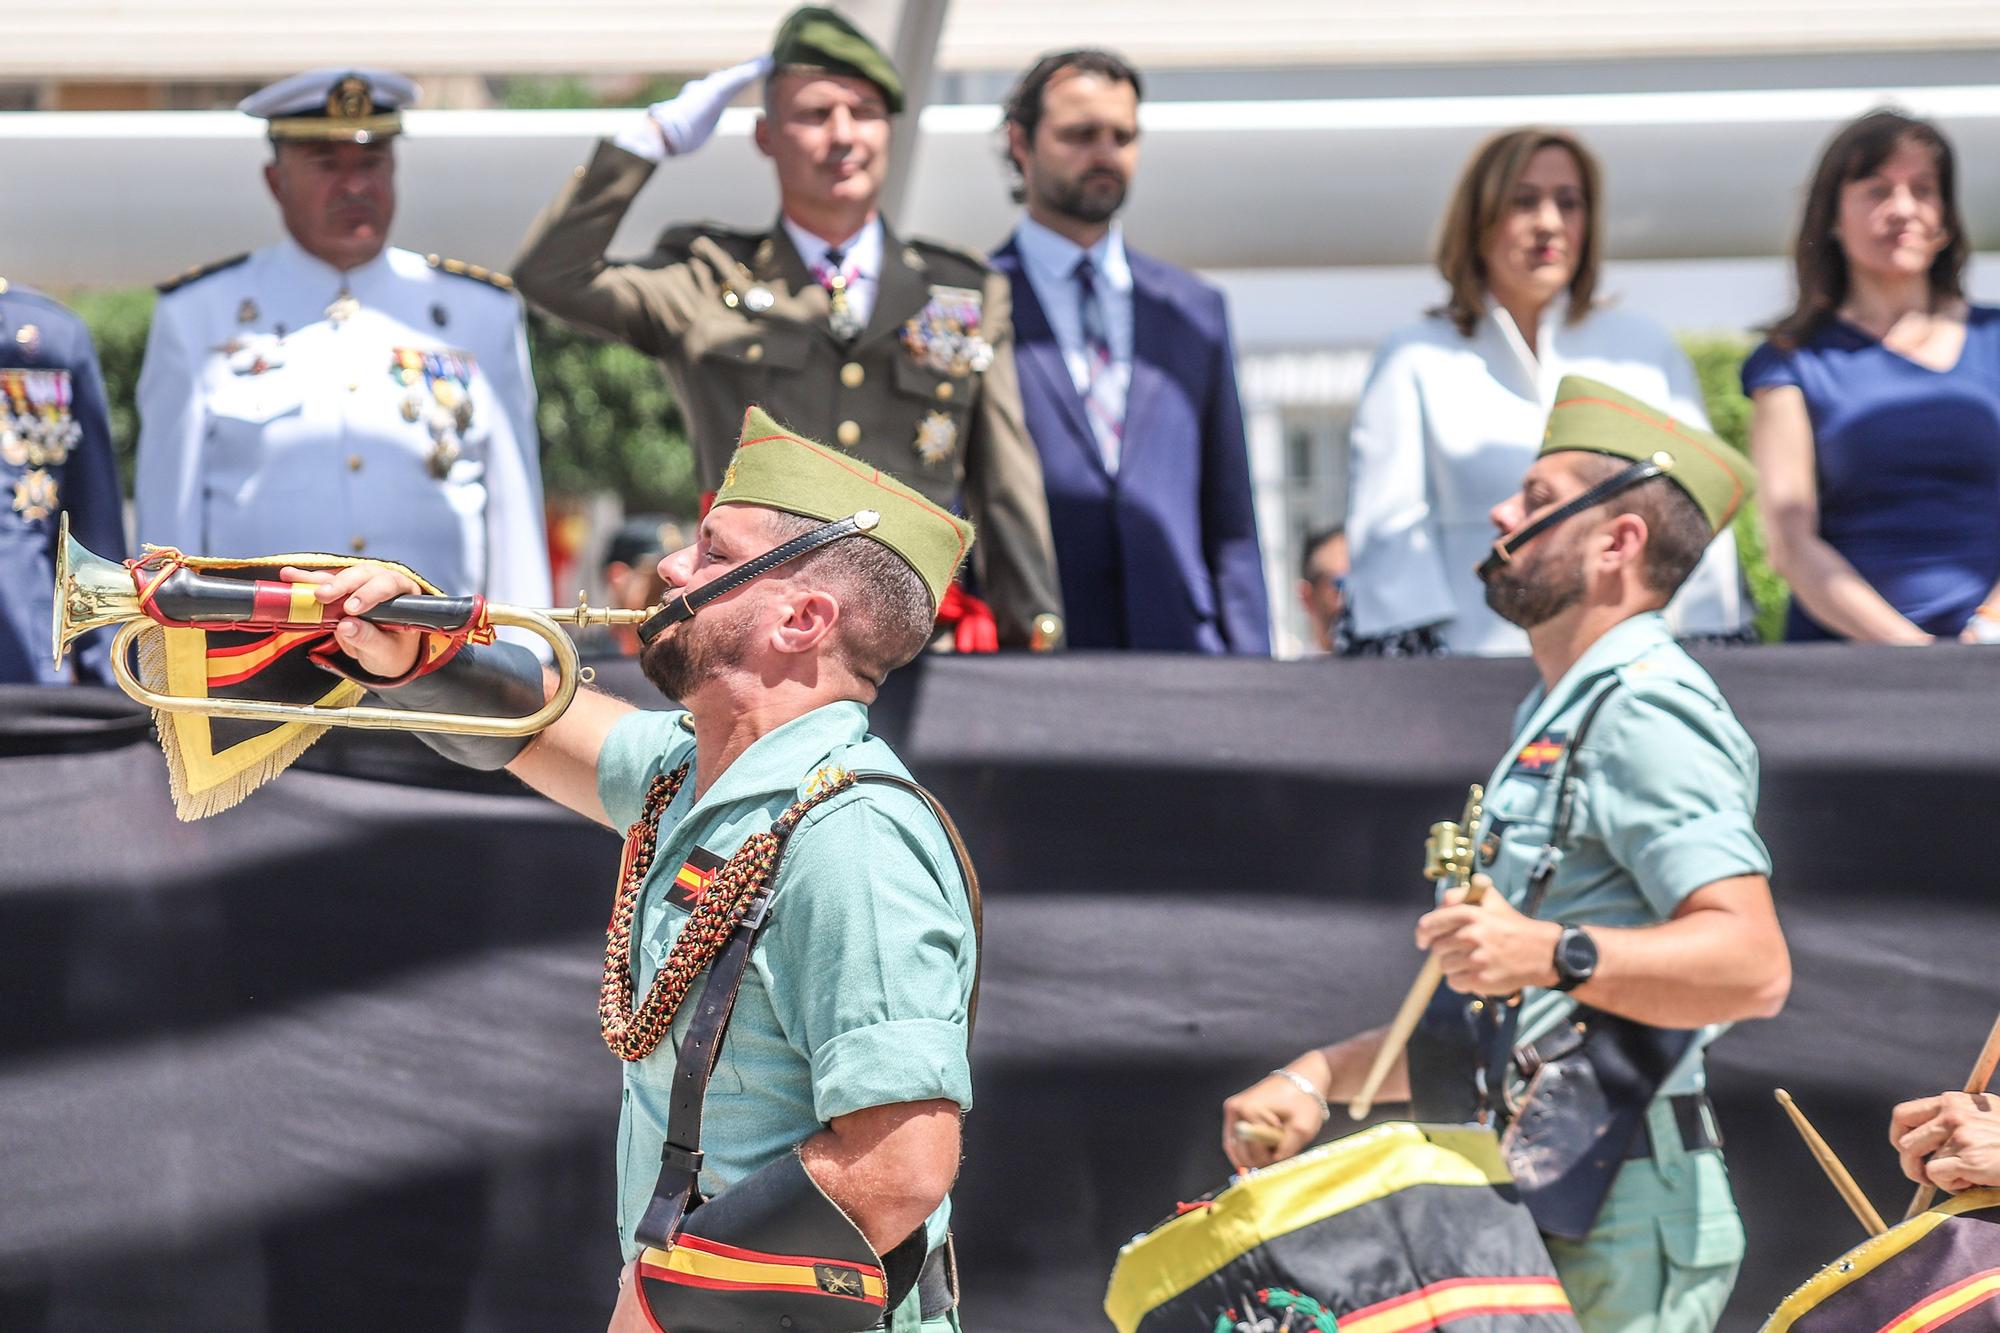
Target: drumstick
[1982, 1074]
[1270, 1136]
[1864, 1211]
[1407, 1017]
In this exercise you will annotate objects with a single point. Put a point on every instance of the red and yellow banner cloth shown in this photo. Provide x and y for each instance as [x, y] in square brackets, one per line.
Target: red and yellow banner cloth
[1939, 1270]
[1400, 1228]
[247, 635]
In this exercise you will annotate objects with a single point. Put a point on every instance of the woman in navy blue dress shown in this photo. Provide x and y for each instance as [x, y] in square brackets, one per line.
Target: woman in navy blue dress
[1876, 402]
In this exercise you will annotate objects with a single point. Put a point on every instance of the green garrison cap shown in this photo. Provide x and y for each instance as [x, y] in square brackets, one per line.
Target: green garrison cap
[823, 38]
[1595, 418]
[779, 469]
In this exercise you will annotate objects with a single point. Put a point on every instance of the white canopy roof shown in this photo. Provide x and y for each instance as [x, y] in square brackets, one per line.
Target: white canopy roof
[229, 39]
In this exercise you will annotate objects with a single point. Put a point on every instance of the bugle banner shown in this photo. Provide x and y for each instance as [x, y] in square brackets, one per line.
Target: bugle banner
[1400, 1228]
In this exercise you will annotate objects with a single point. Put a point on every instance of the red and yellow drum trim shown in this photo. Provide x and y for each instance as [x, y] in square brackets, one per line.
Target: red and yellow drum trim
[698, 1262]
[1871, 1254]
[1459, 1298]
[1941, 1307]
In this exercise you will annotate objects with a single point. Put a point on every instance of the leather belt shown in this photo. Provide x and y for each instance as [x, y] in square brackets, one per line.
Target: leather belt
[1694, 1116]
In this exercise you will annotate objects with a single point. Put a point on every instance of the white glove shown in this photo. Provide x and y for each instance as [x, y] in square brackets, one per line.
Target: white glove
[684, 121]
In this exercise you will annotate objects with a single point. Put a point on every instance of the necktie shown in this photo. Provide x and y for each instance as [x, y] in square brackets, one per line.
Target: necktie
[833, 275]
[1104, 387]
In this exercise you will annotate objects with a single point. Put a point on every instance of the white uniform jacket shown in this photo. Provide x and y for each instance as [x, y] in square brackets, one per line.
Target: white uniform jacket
[387, 412]
[1445, 429]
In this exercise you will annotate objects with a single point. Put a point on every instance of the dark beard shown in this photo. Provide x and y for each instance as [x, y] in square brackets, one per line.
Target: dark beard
[1532, 592]
[681, 658]
[1087, 202]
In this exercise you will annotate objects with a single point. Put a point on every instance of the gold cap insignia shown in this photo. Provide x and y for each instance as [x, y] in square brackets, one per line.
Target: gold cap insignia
[349, 99]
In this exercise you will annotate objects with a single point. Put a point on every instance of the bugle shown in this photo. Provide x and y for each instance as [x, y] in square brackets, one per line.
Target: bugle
[94, 593]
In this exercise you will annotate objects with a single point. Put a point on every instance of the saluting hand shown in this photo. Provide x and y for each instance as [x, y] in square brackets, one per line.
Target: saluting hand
[380, 650]
[685, 121]
[1951, 1141]
[1489, 948]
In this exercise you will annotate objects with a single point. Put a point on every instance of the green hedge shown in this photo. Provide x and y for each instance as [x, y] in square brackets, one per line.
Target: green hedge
[609, 421]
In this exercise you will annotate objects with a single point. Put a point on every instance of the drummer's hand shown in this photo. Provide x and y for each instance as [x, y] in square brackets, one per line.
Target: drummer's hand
[388, 653]
[1951, 1141]
[1273, 1104]
[1489, 948]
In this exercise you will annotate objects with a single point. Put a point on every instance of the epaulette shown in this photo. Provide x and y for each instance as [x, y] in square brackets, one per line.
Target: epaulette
[460, 269]
[929, 249]
[198, 272]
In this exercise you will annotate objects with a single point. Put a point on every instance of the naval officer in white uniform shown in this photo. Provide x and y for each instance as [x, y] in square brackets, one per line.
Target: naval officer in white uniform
[331, 392]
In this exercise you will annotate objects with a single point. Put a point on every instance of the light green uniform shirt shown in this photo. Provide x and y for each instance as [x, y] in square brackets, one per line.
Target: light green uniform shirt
[858, 988]
[1665, 796]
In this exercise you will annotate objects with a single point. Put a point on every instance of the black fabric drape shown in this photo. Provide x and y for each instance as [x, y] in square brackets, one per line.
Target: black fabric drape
[329, 1060]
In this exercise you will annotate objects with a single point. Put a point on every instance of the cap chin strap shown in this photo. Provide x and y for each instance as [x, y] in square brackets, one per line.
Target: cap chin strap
[1503, 550]
[683, 607]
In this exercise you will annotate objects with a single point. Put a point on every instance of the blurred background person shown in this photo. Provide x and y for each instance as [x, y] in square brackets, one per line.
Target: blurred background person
[631, 574]
[1129, 382]
[333, 393]
[897, 350]
[1876, 401]
[55, 458]
[1454, 405]
[1323, 586]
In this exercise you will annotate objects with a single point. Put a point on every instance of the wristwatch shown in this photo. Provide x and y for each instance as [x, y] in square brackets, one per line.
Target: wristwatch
[1576, 957]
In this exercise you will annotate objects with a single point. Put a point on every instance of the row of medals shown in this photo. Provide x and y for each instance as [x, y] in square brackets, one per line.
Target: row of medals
[37, 432]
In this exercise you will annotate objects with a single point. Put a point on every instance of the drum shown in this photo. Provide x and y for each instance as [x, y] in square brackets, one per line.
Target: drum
[1940, 1269]
[1397, 1229]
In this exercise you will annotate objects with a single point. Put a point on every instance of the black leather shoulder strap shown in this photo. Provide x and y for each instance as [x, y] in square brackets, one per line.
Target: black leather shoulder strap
[694, 1063]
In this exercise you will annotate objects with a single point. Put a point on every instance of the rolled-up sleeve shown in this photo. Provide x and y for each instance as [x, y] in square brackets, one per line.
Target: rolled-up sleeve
[1674, 791]
[876, 946]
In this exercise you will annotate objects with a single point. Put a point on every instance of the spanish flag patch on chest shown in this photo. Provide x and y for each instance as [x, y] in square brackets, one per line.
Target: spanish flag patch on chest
[1540, 755]
[693, 879]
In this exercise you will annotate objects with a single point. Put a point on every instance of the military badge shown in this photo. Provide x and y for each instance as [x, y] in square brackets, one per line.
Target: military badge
[438, 391]
[254, 355]
[1540, 755]
[694, 879]
[36, 427]
[35, 496]
[824, 779]
[343, 308]
[937, 439]
[945, 335]
[246, 313]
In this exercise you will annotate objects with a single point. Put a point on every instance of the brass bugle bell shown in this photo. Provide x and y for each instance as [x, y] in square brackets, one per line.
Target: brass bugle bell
[95, 593]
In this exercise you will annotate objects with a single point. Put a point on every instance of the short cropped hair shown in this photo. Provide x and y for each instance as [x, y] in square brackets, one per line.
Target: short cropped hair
[886, 616]
[1479, 202]
[1677, 532]
[1315, 539]
[1024, 106]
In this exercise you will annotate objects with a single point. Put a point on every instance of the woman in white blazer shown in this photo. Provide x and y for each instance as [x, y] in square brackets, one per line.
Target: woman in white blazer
[1455, 405]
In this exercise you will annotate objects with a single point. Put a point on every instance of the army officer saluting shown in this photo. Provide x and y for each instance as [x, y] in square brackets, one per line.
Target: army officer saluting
[899, 352]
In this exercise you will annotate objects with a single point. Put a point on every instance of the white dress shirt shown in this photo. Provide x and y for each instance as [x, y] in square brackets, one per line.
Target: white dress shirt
[268, 425]
[1445, 429]
[860, 260]
[1049, 259]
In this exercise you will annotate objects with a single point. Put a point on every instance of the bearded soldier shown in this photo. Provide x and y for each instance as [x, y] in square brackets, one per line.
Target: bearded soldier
[1631, 913]
[832, 1112]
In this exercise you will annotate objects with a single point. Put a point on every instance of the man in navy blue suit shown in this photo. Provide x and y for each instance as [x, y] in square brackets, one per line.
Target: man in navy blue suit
[1129, 385]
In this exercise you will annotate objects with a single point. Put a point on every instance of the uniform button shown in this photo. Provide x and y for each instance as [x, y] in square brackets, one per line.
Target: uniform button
[852, 374]
[944, 390]
[848, 433]
[352, 386]
[354, 462]
[754, 352]
[357, 545]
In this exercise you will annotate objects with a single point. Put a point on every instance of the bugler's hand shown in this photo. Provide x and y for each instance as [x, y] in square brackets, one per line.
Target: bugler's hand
[380, 651]
[1489, 948]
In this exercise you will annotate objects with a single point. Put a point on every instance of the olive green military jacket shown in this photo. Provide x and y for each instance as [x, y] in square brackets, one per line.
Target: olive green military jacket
[736, 319]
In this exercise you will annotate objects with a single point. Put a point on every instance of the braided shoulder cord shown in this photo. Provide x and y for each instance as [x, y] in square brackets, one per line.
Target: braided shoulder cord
[634, 1034]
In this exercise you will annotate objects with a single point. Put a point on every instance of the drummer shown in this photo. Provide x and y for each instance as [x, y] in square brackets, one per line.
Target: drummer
[1658, 908]
[1951, 1140]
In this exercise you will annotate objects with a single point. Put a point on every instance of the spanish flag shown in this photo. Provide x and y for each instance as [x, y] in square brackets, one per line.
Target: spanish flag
[1939, 1270]
[1397, 1229]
